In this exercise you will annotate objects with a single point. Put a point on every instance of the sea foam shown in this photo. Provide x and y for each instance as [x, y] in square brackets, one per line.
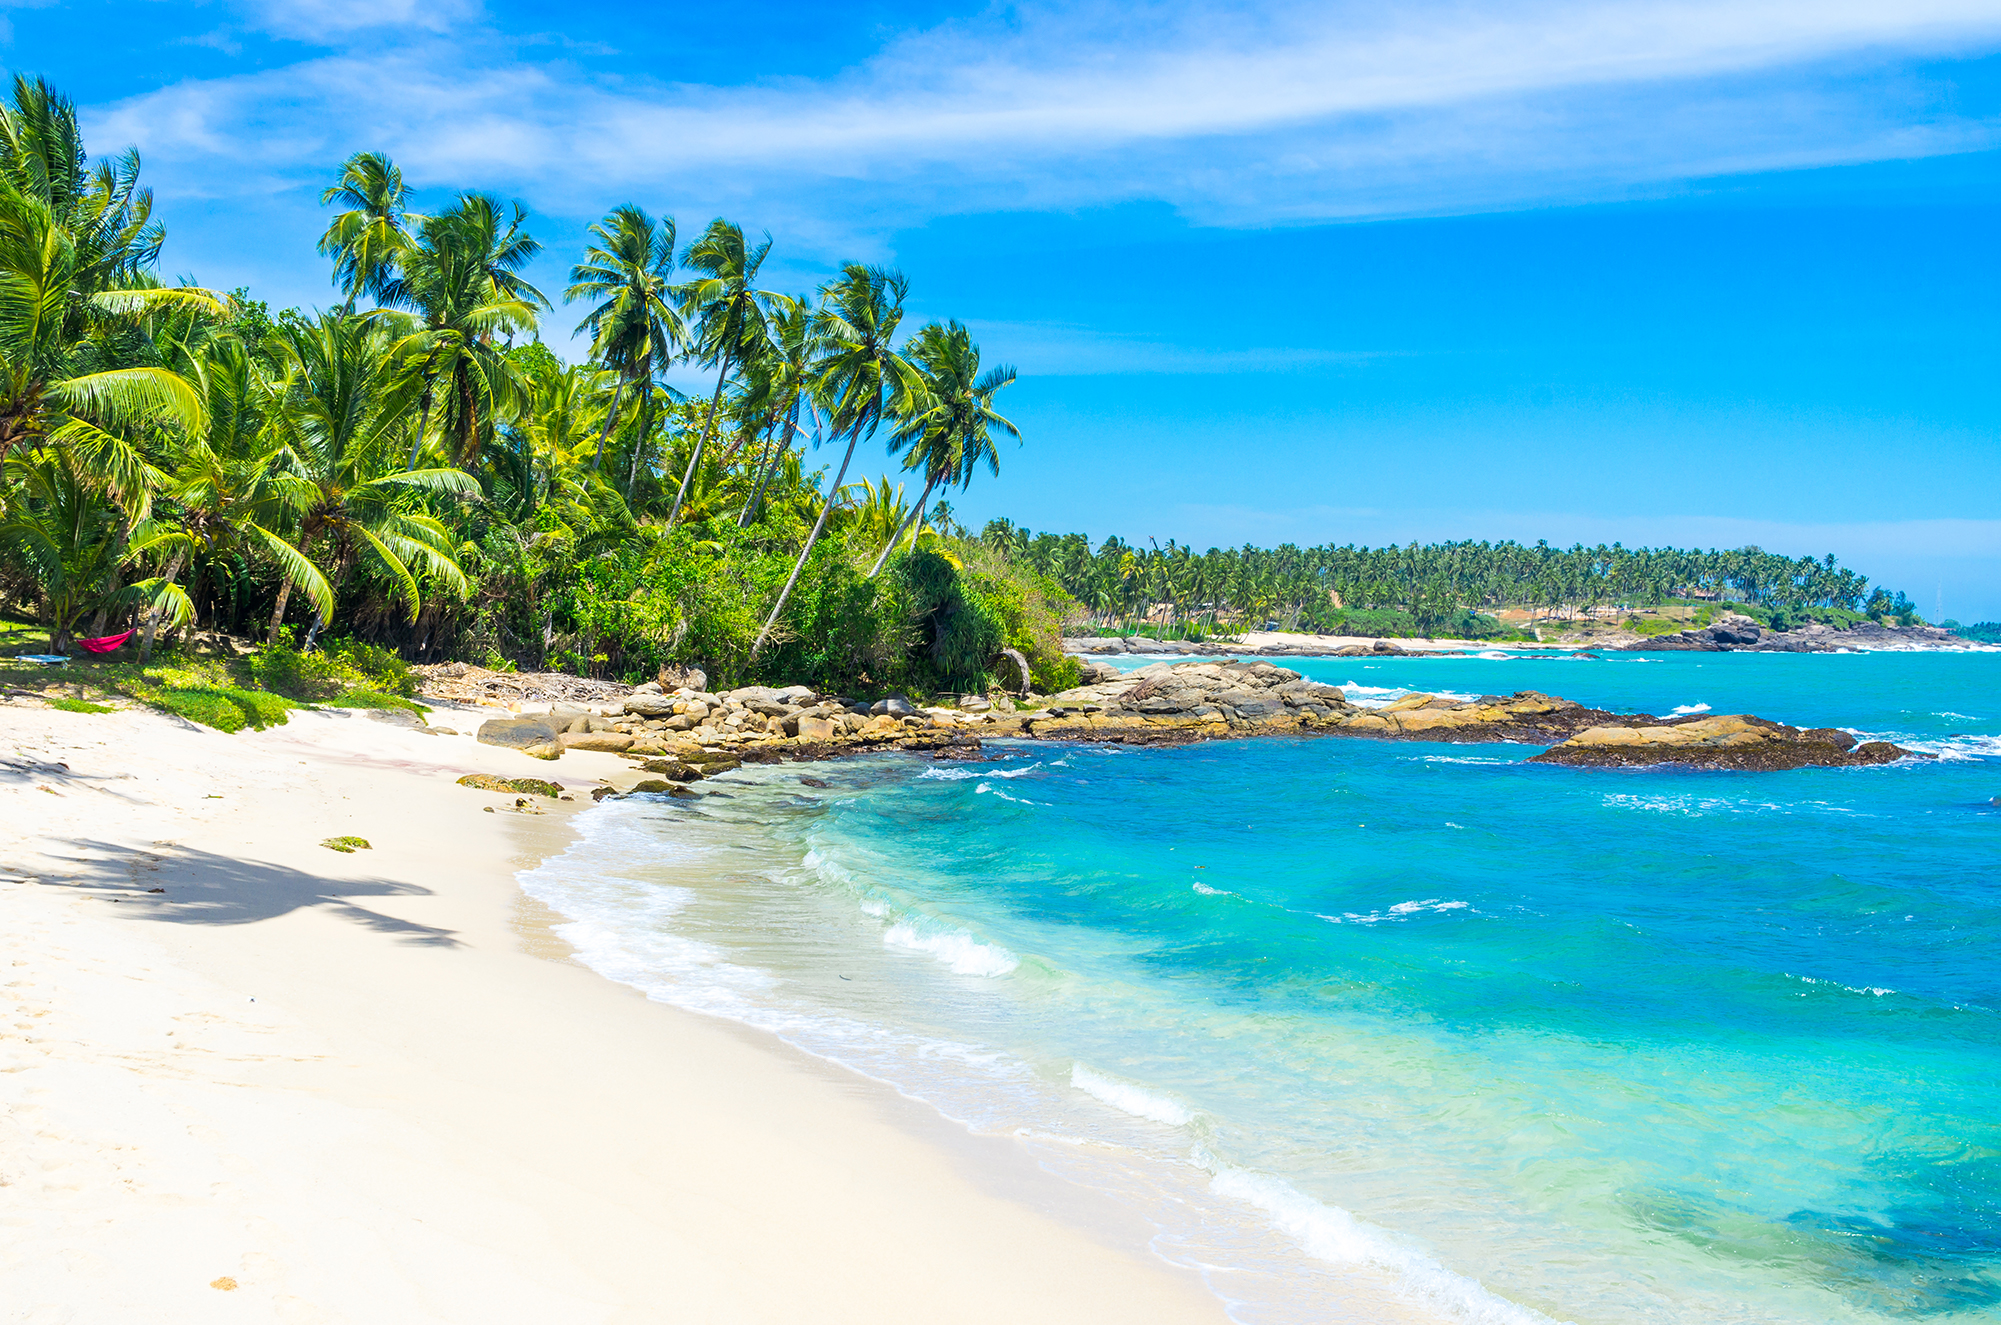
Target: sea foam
[1129, 1098]
[954, 947]
[1331, 1234]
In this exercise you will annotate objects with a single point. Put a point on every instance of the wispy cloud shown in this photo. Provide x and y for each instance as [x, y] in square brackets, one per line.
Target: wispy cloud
[1232, 114]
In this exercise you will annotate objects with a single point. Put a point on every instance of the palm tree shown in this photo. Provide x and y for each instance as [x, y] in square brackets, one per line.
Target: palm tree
[76, 248]
[337, 419]
[860, 376]
[462, 278]
[949, 435]
[784, 371]
[730, 315]
[370, 239]
[635, 327]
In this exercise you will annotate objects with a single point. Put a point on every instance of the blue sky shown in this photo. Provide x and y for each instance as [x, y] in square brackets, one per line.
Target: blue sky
[1710, 271]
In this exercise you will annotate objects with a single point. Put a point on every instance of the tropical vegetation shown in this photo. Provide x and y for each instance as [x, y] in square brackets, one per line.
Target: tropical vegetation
[416, 473]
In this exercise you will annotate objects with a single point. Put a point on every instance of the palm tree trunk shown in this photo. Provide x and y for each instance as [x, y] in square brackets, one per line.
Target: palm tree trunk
[771, 465]
[284, 592]
[915, 517]
[826, 508]
[610, 417]
[639, 445]
[423, 411]
[153, 614]
[708, 426]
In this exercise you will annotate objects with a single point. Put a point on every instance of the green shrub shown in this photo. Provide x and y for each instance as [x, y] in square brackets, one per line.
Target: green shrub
[341, 666]
[209, 707]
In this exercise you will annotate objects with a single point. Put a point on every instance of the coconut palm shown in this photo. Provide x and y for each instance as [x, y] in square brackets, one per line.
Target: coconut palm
[369, 240]
[730, 316]
[860, 377]
[462, 281]
[337, 419]
[782, 372]
[77, 245]
[635, 326]
[950, 434]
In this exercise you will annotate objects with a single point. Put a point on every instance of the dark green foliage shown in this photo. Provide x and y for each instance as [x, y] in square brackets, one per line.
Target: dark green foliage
[340, 668]
[1983, 632]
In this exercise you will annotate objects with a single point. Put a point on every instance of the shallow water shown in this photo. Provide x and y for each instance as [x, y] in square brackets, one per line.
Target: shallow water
[1587, 1045]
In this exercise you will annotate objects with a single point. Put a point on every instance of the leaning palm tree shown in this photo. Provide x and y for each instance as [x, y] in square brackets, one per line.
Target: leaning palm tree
[730, 316]
[462, 281]
[370, 239]
[634, 325]
[860, 376]
[336, 418]
[783, 373]
[949, 435]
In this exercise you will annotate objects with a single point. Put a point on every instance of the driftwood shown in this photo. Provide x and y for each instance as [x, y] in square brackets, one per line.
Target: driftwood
[1022, 663]
[463, 683]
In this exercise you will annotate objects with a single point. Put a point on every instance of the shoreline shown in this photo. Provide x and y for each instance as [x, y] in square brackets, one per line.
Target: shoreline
[392, 1095]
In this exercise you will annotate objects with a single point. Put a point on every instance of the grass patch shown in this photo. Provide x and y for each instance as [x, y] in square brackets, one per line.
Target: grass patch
[68, 705]
[354, 697]
[347, 845]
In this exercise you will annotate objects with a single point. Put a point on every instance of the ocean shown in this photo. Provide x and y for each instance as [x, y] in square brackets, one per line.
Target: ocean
[1525, 1043]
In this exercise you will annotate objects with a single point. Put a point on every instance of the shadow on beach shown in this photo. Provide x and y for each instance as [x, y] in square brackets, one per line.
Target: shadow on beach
[202, 888]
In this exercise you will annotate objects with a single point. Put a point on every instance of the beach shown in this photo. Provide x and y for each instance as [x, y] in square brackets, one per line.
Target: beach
[248, 1077]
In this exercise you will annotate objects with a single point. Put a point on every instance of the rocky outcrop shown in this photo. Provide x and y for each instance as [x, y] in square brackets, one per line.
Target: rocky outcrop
[530, 735]
[1736, 742]
[1088, 646]
[1733, 632]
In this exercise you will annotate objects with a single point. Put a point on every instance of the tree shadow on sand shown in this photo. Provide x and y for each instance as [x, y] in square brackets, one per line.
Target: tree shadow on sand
[202, 888]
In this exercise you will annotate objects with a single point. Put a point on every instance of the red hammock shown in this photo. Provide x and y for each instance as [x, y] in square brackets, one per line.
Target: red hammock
[106, 643]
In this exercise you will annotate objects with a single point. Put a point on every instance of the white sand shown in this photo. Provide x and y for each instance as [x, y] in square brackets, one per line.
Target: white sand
[1259, 639]
[371, 1087]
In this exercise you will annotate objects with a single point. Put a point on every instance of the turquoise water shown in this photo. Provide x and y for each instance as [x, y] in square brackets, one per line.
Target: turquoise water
[1526, 1042]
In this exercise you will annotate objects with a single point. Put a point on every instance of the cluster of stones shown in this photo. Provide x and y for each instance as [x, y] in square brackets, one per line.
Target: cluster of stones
[1172, 702]
[1733, 631]
[686, 734]
[754, 722]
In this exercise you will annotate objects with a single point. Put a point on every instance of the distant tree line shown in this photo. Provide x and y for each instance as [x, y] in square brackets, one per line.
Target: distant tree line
[1436, 585]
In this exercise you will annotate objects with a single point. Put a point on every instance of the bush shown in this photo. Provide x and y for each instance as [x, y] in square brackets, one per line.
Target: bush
[342, 666]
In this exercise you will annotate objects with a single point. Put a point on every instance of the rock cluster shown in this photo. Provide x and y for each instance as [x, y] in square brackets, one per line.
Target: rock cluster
[1736, 741]
[755, 721]
[1733, 631]
[683, 735]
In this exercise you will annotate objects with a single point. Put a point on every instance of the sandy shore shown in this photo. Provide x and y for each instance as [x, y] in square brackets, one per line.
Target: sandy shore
[246, 1078]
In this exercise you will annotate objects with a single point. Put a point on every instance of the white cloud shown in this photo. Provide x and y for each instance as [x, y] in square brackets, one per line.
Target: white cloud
[324, 20]
[1234, 115]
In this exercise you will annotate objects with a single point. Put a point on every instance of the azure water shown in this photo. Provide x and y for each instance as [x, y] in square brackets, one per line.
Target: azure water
[1520, 1042]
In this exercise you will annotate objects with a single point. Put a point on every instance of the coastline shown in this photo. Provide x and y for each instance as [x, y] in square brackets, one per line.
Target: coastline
[357, 1086]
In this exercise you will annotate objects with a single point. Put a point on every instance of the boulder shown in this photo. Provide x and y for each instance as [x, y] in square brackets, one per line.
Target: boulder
[649, 704]
[896, 706]
[517, 733]
[975, 703]
[397, 718]
[817, 729]
[531, 786]
[673, 770]
[607, 742]
[547, 750]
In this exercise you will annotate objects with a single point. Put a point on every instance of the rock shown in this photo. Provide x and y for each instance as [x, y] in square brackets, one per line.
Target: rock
[488, 782]
[654, 787]
[1097, 673]
[548, 750]
[682, 793]
[675, 678]
[711, 765]
[597, 793]
[814, 782]
[564, 717]
[607, 742]
[673, 770]
[1737, 741]
[397, 718]
[816, 729]
[649, 705]
[896, 706]
[975, 703]
[516, 733]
